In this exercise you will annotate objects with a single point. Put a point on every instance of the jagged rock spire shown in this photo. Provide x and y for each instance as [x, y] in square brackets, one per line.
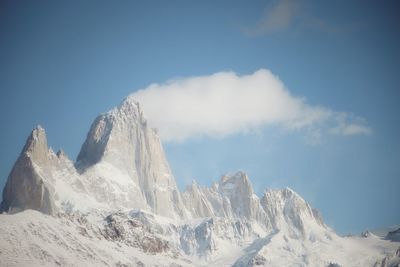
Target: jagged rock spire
[36, 145]
[121, 139]
[25, 187]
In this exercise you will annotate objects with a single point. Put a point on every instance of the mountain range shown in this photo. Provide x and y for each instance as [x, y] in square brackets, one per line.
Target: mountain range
[118, 204]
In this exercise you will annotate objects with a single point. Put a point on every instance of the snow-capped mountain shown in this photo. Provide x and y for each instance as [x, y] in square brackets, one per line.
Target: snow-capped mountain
[125, 152]
[119, 205]
[121, 166]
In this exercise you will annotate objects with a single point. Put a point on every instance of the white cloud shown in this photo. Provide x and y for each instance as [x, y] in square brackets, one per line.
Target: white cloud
[277, 17]
[225, 103]
[348, 125]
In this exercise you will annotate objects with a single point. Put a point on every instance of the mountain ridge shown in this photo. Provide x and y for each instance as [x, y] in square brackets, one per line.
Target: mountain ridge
[121, 191]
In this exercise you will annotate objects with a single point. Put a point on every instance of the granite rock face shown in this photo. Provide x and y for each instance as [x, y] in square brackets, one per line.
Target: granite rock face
[121, 165]
[233, 197]
[121, 140]
[27, 186]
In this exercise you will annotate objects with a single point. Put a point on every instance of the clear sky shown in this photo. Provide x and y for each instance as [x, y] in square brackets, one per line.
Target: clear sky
[63, 62]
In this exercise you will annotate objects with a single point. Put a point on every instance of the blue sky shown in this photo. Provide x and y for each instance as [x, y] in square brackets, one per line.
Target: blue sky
[62, 63]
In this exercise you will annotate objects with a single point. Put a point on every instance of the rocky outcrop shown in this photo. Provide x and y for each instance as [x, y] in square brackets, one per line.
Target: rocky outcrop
[287, 210]
[394, 235]
[243, 201]
[45, 181]
[132, 232]
[233, 197]
[27, 186]
[121, 140]
[197, 202]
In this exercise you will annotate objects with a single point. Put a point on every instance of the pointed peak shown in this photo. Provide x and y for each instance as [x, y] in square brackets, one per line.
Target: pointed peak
[242, 175]
[38, 132]
[123, 123]
[38, 128]
[35, 139]
[238, 176]
[36, 145]
[236, 183]
[286, 193]
[192, 186]
[129, 108]
[130, 100]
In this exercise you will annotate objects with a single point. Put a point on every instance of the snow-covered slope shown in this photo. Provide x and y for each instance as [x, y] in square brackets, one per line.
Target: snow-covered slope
[137, 238]
[31, 238]
[118, 205]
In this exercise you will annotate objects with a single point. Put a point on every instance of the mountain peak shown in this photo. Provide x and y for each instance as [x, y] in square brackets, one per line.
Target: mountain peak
[26, 188]
[238, 189]
[236, 182]
[108, 131]
[36, 145]
[193, 185]
[37, 136]
[120, 141]
[38, 127]
[129, 109]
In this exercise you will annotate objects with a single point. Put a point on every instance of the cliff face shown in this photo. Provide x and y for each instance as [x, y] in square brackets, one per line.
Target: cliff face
[121, 165]
[233, 197]
[121, 140]
[27, 186]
